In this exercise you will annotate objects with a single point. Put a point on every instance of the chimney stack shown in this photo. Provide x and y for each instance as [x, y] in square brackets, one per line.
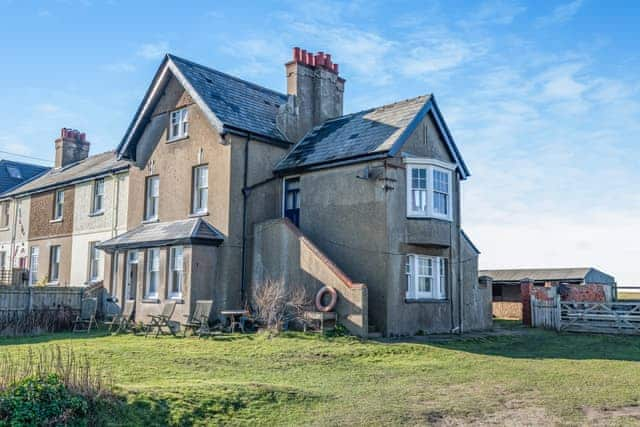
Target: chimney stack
[71, 147]
[315, 93]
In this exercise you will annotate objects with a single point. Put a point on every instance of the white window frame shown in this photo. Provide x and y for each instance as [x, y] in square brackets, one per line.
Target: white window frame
[58, 205]
[133, 257]
[176, 268]
[430, 166]
[152, 268]
[152, 202]
[200, 197]
[95, 258]
[97, 205]
[34, 261]
[54, 258]
[178, 124]
[436, 271]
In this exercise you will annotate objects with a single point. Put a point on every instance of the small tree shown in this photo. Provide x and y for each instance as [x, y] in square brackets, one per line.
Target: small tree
[276, 306]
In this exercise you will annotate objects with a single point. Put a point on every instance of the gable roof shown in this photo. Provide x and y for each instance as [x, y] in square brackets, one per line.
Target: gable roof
[547, 274]
[193, 231]
[374, 133]
[12, 174]
[228, 102]
[90, 168]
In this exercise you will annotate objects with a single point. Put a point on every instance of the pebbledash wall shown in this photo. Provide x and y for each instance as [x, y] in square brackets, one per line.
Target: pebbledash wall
[91, 227]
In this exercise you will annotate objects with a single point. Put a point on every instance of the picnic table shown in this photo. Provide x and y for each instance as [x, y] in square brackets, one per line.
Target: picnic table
[235, 317]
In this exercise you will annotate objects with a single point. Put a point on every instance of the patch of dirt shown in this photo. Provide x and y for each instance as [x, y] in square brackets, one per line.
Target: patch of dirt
[511, 415]
[604, 416]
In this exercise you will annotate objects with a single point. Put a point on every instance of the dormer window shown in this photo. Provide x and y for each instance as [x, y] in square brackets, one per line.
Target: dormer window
[179, 125]
[429, 184]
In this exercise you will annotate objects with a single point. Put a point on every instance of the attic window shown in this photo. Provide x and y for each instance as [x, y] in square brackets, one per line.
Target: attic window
[14, 172]
[179, 124]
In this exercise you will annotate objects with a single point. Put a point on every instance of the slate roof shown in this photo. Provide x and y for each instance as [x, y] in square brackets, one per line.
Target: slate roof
[226, 100]
[235, 102]
[193, 231]
[539, 274]
[90, 168]
[25, 172]
[354, 135]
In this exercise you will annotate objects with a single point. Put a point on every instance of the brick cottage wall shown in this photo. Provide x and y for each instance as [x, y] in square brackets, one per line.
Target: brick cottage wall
[582, 293]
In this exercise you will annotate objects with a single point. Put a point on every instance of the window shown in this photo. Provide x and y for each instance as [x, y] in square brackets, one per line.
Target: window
[98, 196]
[4, 214]
[200, 189]
[3, 260]
[95, 264]
[132, 275]
[179, 126]
[58, 205]
[14, 172]
[176, 272]
[292, 200]
[153, 273]
[429, 189]
[33, 265]
[153, 198]
[426, 277]
[54, 264]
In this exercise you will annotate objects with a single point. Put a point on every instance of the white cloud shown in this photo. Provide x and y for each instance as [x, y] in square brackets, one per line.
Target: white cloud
[562, 13]
[153, 50]
[501, 12]
[47, 108]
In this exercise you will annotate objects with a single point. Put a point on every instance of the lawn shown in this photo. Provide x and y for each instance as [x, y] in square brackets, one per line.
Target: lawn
[526, 377]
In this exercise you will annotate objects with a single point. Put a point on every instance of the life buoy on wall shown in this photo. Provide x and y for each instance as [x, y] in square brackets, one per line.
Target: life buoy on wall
[332, 302]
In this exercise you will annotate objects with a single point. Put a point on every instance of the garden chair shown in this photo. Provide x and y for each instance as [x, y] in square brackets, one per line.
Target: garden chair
[87, 317]
[159, 321]
[198, 321]
[123, 321]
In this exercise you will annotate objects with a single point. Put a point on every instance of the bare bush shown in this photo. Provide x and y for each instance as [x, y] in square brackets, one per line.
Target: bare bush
[74, 371]
[18, 323]
[276, 306]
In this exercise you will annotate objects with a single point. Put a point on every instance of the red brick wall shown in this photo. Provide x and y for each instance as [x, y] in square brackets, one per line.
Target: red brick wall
[590, 292]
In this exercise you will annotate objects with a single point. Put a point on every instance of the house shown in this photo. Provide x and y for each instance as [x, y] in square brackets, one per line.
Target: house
[507, 295]
[232, 184]
[63, 214]
[12, 174]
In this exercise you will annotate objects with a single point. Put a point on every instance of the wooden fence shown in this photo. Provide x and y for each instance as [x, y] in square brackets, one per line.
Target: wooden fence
[592, 317]
[25, 299]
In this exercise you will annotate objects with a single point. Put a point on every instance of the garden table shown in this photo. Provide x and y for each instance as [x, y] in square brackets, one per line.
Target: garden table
[235, 317]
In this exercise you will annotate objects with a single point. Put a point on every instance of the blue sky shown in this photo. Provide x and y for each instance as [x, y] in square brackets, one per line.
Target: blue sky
[543, 98]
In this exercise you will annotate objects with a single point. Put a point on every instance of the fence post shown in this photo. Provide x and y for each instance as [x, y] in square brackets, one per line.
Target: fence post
[532, 306]
[558, 312]
[30, 302]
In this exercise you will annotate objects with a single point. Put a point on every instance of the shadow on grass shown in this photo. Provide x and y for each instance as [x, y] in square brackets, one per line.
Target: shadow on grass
[540, 344]
[53, 337]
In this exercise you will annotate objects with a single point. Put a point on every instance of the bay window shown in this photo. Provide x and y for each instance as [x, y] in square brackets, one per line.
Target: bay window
[176, 272]
[429, 185]
[426, 277]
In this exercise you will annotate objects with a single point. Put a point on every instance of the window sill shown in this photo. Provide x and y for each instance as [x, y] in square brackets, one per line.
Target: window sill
[150, 301]
[53, 283]
[176, 139]
[425, 300]
[441, 218]
[55, 221]
[4, 228]
[198, 214]
[150, 221]
[178, 300]
[97, 213]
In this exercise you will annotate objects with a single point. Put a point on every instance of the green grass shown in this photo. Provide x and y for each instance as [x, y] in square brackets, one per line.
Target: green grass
[629, 296]
[531, 376]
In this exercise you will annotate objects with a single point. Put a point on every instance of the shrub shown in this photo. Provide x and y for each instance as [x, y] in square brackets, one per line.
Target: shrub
[275, 306]
[42, 400]
[17, 323]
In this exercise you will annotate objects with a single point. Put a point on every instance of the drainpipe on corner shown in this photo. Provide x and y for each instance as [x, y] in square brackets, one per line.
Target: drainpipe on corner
[12, 246]
[460, 281]
[245, 197]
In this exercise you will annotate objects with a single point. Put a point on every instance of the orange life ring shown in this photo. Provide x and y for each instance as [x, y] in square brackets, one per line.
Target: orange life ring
[332, 303]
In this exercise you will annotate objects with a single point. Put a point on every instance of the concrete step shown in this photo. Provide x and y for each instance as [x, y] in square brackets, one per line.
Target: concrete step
[374, 335]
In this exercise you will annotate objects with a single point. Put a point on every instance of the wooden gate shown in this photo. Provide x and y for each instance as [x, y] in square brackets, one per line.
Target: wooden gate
[601, 317]
[545, 313]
